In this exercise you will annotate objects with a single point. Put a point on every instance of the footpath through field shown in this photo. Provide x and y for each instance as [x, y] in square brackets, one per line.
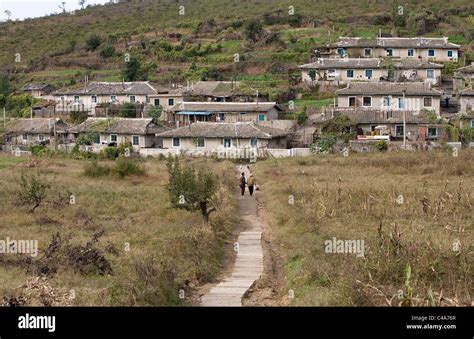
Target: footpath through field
[248, 266]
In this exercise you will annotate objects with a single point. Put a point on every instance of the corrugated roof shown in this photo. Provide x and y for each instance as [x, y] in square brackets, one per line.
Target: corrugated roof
[389, 88]
[225, 130]
[225, 106]
[140, 126]
[390, 42]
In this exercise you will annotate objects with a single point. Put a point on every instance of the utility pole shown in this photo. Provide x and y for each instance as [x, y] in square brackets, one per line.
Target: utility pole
[4, 119]
[404, 122]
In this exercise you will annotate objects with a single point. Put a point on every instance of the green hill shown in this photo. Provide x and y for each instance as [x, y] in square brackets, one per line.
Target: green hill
[200, 40]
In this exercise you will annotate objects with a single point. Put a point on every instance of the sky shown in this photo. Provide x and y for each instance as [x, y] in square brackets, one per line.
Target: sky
[22, 9]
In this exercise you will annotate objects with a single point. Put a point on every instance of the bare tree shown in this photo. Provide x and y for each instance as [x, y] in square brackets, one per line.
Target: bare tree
[82, 3]
[8, 13]
[63, 6]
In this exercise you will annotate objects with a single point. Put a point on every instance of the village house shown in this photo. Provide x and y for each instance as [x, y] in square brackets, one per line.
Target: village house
[208, 137]
[189, 112]
[408, 96]
[344, 70]
[95, 94]
[104, 132]
[37, 90]
[35, 131]
[220, 91]
[438, 49]
[463, 78]
[466, 100]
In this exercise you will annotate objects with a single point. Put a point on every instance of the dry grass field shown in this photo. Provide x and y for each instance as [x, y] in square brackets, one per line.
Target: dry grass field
[121, 243]
[414, 212]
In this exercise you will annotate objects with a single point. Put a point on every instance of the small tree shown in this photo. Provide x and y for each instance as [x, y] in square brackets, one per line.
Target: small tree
[93, 41]
[133, 70]
[253, 29]
[191, 189]
[33, 191]
[107, 51]
[302, 116]
[155, 112]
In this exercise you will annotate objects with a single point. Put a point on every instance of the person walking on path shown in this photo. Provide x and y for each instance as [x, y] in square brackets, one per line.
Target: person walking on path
[251, 183]
[242, 183]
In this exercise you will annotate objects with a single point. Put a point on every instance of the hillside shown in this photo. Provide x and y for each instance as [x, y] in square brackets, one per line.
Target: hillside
[202, 43]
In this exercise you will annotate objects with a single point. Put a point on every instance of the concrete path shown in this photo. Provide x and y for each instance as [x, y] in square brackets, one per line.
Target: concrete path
[248, 265]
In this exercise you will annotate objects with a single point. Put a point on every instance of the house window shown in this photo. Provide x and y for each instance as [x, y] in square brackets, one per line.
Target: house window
[253, 142]
[472, 123]
[40, 137]
[25, 137]
[367, 52]
[170, 102]
[430, 73]
[94, 99]
[135, 140]
[427, 102]
[352, 101]
[227, 142]
[401, 104]
[386, 101]
[261, 117]
[113, 98]
[368, 73]
[156, 102]
[340, 51]
[97, 138]
[201, 142]
[132, 99]
[331, 71]
[62, 98]
[367, 101]
[450, 54]
[431, 52]
[76, 98]
[350, 73]
[176, 142]
[113, 138]
[242, 113]
[411, 52]
[221, 116]
[389, 52]
[432, 132]
[399, 130]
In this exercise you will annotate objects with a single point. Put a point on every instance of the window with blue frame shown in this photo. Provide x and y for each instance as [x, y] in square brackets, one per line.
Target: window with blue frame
[450, 54]
[176, 142]
[472, 123]
[340, 51]
[227, 142]
[253, 142]
[97, 138]
[430, 73]
[350, 73]
[368, 73]
[431, 52]
[261, 117]
[401, 104]
[135, 140]
[386, 101]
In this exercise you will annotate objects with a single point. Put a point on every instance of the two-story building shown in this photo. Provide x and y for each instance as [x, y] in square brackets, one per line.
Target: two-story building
[344, 70]
[409, 96]
[437, 49]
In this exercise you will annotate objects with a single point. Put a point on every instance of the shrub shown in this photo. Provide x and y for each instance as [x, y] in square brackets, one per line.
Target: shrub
[33, 191]
[37, 149]
[94, 170]
[87, 139]
[381, 145]
[302, 116]
[111, 153]
[253, 30]
[77, 117]
[128, 110]
[125, 167]
[93, 41]
[325, 143]
[107, 51]
[155, 112]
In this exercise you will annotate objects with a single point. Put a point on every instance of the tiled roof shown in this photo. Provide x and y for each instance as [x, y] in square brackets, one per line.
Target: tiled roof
[34, 87]
[388, 88]
[354, 63]
[466, 69]
[213, 88]
[419, 42]
[111, 88]
[361, 115]
[35, 126]
[225, 106]
[467, 92]
[225, 130]
[118, 125]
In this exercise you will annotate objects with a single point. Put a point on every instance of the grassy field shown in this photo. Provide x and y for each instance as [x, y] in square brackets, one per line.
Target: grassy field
[145, 251]
[410, 209]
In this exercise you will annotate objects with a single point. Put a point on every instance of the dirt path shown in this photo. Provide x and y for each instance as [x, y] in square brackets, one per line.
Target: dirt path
[248, 266]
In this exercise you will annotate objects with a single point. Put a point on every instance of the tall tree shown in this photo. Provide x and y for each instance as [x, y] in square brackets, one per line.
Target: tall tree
[8, 13]
[82, 3]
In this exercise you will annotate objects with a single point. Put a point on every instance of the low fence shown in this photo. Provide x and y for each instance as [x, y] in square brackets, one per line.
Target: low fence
[232, 153]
